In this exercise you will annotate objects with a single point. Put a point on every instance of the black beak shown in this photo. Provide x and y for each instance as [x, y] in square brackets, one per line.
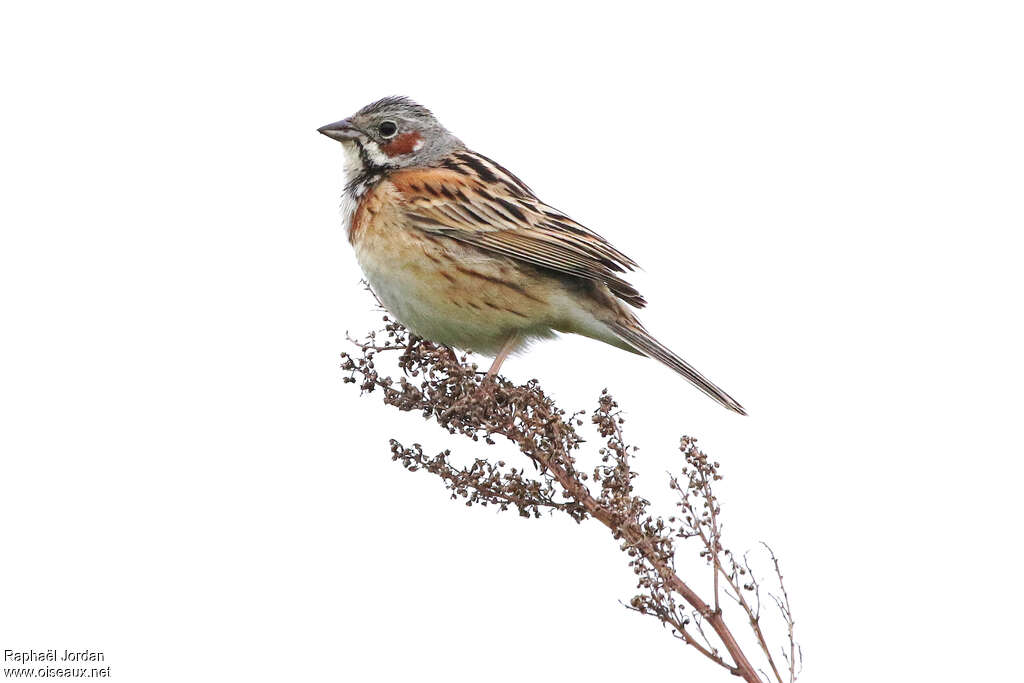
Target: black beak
[340, 130]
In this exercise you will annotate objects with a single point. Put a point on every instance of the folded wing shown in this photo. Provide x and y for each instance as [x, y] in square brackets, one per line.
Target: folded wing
[474, 200]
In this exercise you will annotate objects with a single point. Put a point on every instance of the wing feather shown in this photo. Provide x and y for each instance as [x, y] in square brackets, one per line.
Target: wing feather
[476, 201]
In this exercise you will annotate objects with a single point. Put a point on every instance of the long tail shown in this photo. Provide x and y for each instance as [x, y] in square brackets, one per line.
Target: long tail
[642, 341]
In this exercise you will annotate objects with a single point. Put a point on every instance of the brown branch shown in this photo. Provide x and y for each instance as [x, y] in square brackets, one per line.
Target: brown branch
[637, 539]
[486, 483]
[450, 393]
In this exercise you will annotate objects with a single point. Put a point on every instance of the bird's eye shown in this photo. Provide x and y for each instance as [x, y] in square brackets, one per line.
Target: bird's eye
[388, 129]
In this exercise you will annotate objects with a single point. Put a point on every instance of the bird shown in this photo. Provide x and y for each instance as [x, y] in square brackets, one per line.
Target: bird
[462, 253]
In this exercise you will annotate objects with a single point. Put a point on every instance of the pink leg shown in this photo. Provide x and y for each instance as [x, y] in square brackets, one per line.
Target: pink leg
[508, 347]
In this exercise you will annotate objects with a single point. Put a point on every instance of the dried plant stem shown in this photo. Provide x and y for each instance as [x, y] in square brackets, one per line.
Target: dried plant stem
[453, 395]
[636, 538]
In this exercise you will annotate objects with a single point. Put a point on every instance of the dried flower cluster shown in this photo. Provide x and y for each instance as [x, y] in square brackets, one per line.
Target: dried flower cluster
[437, 384]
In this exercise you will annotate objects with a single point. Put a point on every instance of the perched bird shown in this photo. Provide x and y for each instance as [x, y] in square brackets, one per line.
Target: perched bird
[463, 254]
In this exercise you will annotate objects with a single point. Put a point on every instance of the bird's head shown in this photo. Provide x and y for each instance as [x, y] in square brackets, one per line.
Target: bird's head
[394, 132]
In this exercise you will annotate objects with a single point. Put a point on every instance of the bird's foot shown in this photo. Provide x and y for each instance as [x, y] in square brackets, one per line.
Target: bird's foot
[488, 386]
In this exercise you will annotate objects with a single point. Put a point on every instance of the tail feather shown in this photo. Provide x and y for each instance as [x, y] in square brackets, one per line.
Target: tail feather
[643, 342]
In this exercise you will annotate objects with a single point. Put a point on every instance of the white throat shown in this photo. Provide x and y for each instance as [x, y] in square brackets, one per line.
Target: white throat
[357, 182]
[352, 165]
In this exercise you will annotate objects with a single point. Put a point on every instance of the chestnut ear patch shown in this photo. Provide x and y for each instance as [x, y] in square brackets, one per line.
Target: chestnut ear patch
[403, 144]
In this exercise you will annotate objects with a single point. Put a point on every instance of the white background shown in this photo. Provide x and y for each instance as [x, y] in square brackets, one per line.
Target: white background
[826, 199]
